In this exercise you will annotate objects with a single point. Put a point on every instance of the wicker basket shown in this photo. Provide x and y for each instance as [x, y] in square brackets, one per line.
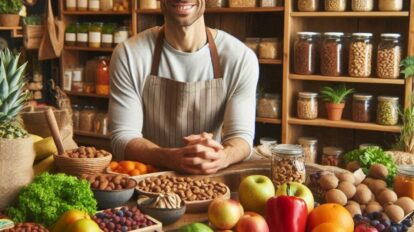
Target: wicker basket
[32, 36]
[79, 166]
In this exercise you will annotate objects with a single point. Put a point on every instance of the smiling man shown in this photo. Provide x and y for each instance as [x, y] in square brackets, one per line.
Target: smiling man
[183, 95]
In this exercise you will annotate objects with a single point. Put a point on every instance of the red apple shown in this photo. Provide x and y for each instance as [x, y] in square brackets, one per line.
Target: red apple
[254, 191]
[298, 190]
[252, 222]
[224, 214]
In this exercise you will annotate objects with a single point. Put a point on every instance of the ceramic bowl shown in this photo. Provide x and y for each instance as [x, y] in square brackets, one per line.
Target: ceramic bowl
[164, 215]
[112, 198]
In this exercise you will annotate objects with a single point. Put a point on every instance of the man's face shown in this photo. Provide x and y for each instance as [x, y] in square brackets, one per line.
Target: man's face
[183, 12]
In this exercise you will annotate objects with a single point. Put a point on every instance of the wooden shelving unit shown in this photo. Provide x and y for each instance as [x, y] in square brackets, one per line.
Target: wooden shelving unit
[268, 120]
[350, 14]
[15, 32]
[270, 61]
[94, 13]
[347, 79]
[224, 10]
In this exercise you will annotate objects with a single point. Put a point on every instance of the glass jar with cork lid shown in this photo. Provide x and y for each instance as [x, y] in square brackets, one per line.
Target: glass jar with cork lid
[389, 54]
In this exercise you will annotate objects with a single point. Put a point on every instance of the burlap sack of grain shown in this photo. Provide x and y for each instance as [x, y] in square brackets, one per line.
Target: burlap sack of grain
[16, 161]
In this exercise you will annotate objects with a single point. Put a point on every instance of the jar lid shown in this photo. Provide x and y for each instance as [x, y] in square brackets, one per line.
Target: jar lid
[338, 34]
[307, 94]
[360, 34]
[332, 151]
[366, 145]
[287, 149]
[307, 140]
[360, 96]
[407, 170]
[390, 35]
[308, 33]
[268, 141]
[388, 98]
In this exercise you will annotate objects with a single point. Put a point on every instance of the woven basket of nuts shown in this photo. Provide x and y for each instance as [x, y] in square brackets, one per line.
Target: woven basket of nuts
[83, 160]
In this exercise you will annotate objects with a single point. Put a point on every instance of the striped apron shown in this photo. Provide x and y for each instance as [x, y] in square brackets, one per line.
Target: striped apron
[173, 110]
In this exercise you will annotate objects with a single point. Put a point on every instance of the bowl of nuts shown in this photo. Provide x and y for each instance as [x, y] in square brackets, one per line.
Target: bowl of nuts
[167, 208]
[111, 191]
[83, 160]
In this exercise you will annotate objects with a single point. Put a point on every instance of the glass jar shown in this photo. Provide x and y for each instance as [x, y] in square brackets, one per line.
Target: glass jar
[82, 5]
[94, 5]
[148, 4]
[95, 34]
[307, 105]
[267, 141]
[268, 3]
[70, 35]
[101, 123]
[335, 5]
[67, 79]
[362, 5]
[102, 76]
[86, 118]
[242, 3]
[122, 5]
[332, 54]
[362, 107]
[120, 34]
[269, 106]
[77, 80]
[390, 5]
[360, 55]
[288, 164]
[308, 5]
[387, 110]
[106, 5]
[305, 52]
[253, 43]
[389, 56]
[269, 48]
[332, 156]
[367, 145]
[82, 34]
[107, 39]
[76, 109]
[404, 181]
[70, 5]
[310, 148]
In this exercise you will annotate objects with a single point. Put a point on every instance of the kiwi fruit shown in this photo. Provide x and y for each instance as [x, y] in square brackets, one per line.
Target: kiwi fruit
[394, 212]
[336, 196]
[346, 176]
[353, 166]
[353, 209]
[377, 186]
[367, 181]
[387, 196]
[351, 202]
[406, 203]
[363, 207]
[347, 188]
[363, 195]
[328, 182]
[378, 171]
[372, 207]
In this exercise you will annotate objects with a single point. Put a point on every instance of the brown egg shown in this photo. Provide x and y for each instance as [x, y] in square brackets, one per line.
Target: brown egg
[353, 166]
[372, 207]
[387, 196]
[378, 171]
[346, 176]
[394, 212]
[363, 195]
[377, 186]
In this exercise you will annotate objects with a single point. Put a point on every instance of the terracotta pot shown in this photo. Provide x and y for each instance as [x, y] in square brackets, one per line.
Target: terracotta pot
[9, 20]
[335, 111]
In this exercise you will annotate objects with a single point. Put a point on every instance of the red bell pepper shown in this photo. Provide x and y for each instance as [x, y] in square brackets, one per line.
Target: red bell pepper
[286, 213]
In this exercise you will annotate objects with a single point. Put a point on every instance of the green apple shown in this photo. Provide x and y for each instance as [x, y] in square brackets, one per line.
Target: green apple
[298, 190]
[254, 191]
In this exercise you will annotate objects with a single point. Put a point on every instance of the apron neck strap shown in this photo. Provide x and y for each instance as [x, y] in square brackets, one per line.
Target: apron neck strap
[213, 52]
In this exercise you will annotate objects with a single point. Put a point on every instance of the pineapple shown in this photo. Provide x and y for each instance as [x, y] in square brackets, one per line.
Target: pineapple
[12, 95]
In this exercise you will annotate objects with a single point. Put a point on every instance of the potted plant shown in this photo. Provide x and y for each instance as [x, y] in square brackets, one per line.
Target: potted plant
[335, 100]
[16, 146]
[9, 12]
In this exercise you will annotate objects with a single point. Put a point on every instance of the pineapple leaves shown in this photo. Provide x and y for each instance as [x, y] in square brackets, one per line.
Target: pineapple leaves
[16, 76]
[4, 85]
[337, 94]
[11, 68]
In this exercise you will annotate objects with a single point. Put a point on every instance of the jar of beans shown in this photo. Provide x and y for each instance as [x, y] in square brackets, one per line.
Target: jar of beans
[332, 54]
[389, 56]
[288, 164]
[362, 5]
[269, 106]
[308, 5]
[332, 156]
[360, 55]
[305, 53]
[387, 110]
[390, 5]
[307, 105]
[310, 148]
[362, 107]
[335, 5]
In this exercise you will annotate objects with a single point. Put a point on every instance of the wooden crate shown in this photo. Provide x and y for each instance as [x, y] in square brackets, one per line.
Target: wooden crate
[32, 36]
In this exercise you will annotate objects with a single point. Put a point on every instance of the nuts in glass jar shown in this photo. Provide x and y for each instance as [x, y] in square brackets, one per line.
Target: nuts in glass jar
[269, 106]
[389, 56]
[362, 5]
[288, 164]
[332, 156]
[308, 5]
[335, 5]
[332, 54]
[360, 55]
[307, 105]
[361, 108]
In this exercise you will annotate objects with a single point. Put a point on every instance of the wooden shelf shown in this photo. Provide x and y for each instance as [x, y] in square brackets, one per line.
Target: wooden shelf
[92, 95]
[10, 28]
[270, 61]
[350, 14]
[96, 12]
[347, 124]
[269, 120]
[347, 79]
[88, 49]
[15, 32]
[224, 10]
[91, 134]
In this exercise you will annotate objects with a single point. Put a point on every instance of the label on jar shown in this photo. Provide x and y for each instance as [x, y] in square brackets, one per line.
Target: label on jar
[67, 80]
[120, 36]
[107, 38]
[82, 37]
[94, 37]
[94, 4]
[77, 75]
[82, 3]
[70, 37]
[70, 3]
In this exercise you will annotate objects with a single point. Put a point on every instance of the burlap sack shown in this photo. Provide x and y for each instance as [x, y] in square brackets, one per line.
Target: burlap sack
[35, 123]
[16, 161]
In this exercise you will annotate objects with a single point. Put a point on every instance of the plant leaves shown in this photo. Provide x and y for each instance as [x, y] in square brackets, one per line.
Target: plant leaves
[4, 85]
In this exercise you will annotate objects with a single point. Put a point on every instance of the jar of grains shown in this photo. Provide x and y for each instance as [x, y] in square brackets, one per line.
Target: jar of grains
[308, 5]
[268, 3]
[70, 35]
[335, 5]
[332, 54]
[307, 105]
[94, 5]
[288, 164]
[332, 156]
[148, 4]
[360, 55]
[305, 53]
[101, 123]
[269, 48]
[70, 5]
[86, 118]
[389, 56]
[242, 3]
[310, 148]
[82, 5]
[106, 5]
[362, 107]
[253, 43]
[362, 5]
[216, 3]
[95, 35]
[269, 106]
[82, 34]
[387, 110]
[390, 5]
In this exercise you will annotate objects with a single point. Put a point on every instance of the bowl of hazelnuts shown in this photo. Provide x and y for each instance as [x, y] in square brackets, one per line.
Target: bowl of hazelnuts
[83, 160]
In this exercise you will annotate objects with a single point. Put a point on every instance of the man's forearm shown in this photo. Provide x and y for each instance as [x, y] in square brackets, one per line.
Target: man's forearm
[236, 149]
[145, 151]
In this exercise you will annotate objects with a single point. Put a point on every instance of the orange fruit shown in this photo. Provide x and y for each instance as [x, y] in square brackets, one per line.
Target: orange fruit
[127, 166]
[329, 226]
[134, 172]
[333, 213]
[113, 165]
[141, 167]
